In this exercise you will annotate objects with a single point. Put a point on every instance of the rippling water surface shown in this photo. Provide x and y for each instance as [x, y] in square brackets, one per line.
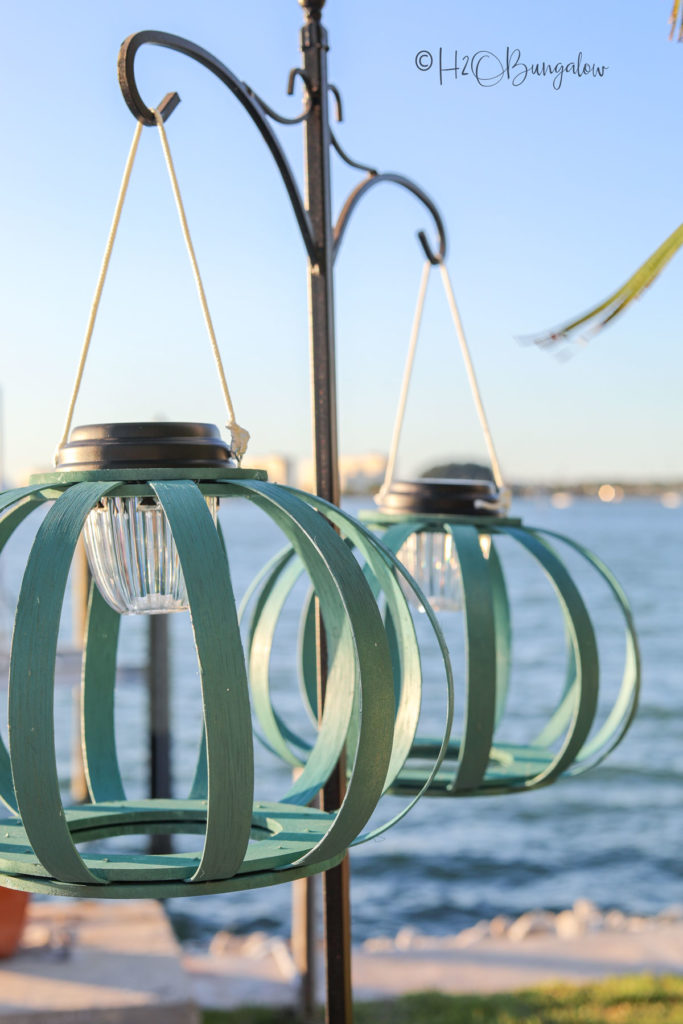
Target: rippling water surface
[613, 835]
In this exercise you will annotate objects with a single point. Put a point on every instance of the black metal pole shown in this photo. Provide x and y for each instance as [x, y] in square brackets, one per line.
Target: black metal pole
[80, 591]
[159, 721]
[336, 902]
[322, 240]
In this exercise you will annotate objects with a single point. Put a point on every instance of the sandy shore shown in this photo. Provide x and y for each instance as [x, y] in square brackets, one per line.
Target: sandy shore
[92, 962]
[580, 944]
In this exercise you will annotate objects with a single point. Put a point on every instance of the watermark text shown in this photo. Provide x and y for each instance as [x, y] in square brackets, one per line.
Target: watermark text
[487, 69]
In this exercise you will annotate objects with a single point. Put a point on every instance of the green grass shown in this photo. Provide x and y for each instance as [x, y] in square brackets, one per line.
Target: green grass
[631, 1000]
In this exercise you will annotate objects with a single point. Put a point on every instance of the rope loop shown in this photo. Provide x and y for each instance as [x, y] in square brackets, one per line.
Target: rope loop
[504, 499]
[239, 436]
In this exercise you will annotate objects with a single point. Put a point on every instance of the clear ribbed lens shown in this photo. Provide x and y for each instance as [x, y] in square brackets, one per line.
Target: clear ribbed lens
[133, 557]
[432, 560]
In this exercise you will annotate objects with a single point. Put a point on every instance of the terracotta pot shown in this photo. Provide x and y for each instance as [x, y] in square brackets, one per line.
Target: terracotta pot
[13, 907]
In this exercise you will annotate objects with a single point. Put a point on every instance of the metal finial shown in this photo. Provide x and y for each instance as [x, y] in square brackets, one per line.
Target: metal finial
[313, 8]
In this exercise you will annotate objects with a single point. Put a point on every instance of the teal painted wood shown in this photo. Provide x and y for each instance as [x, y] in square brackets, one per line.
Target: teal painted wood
[283, 832]
[566, 745]
[582, 638]
[9, 498]
[623, 711]
[40, 853]
[407, 672]
[282, 741]
[380, 570]
[223, 675]
[376, 554]
[480, 641]
[20, 505]
[338, 577]
[98, 735]
[405, 655]
[60, 477]
[502, 630]
[31, 684]
[513, 767]
[561, 716]
[343, 677]
[375, 519]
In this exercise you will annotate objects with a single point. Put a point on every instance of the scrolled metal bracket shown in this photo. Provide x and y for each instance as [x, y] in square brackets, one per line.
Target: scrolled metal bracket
[255, 107]
[259, 111]
[397, 179]
[308, 101]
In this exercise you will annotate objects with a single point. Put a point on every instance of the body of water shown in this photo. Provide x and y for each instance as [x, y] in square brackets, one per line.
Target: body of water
[613, 835]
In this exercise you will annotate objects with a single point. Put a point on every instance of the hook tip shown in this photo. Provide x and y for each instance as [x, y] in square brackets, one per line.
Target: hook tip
[168, 105]
[434, 258]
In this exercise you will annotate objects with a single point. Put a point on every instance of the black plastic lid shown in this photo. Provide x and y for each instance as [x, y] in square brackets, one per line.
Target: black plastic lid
[121, 445]
[433, 496]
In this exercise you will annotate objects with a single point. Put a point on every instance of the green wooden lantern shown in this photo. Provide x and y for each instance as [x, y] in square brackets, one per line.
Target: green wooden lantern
[145, 497]
[107, 471]
[446, 534]
[476, 761]
[415, 522]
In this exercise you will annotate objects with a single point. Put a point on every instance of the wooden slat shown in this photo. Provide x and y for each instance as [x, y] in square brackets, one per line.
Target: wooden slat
[31, 683]
[481, 654]
[19, 508]
[225, 693]
[97, 700]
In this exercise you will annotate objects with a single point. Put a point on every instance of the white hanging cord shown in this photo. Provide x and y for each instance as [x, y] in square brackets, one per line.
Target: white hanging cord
[100, 284]
[412, 345]
[474, 387]
[504, 499]
[240, 436]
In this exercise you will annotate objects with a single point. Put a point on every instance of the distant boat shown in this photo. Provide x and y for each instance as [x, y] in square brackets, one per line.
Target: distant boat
[671, 499]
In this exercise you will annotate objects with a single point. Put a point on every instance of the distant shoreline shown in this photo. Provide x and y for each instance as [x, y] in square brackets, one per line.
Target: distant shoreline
[588, 489]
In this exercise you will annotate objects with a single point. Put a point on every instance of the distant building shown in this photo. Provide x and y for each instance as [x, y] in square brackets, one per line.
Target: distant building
[359, 474]
[278, 467]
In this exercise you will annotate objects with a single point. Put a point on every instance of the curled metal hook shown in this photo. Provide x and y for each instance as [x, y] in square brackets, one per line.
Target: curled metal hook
[308, 102]
[339, 113]
[347, 159]
[375, 179]
[255, 107]
[168, 105]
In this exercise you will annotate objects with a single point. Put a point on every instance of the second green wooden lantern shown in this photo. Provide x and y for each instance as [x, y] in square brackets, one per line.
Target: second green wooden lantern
[447, 533]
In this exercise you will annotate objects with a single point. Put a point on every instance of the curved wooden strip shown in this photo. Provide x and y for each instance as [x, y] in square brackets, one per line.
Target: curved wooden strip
[373, 550]
[98, 737]
[31, 684]
[343, 575]
[561, 716]
[284, 832]
[225, 695]
[302, 527]
[480, 639]
[623, 711]
[8, 498]
[585, 650]
[502, 630]
[405, 658]
[307, 658]
[23, 506]
[169, 890]
[262, 630]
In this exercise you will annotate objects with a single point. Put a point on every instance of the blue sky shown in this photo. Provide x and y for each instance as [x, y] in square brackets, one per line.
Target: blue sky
[551, 199]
